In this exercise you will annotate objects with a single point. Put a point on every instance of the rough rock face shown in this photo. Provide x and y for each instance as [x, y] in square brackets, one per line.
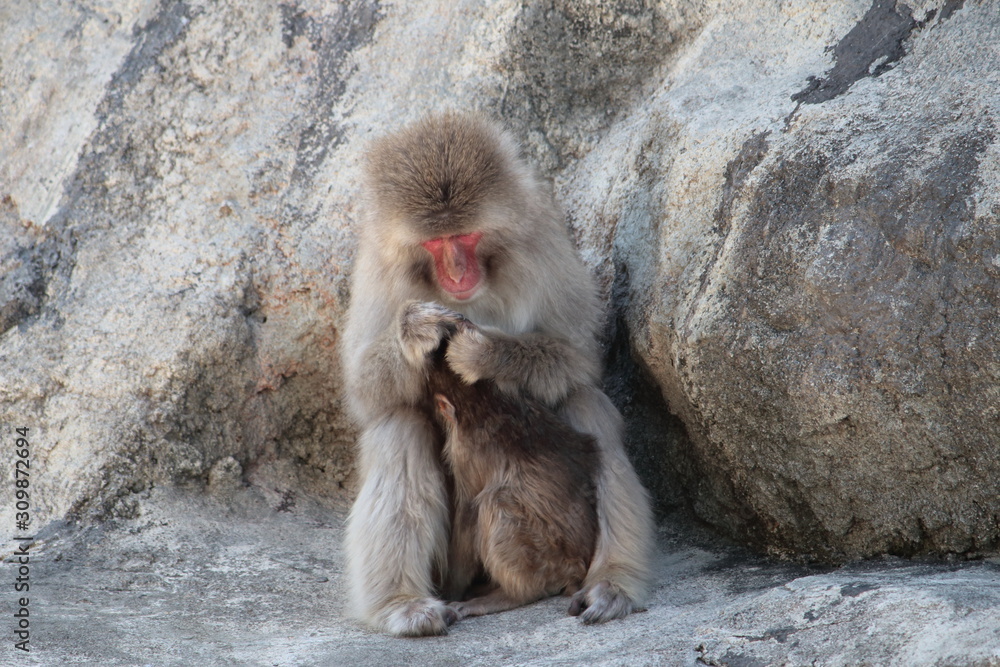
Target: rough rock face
[791, 209]
[170, 302]
[831, 341]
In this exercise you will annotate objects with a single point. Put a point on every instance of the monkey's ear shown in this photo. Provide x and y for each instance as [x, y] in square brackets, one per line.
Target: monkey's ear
[445, 408]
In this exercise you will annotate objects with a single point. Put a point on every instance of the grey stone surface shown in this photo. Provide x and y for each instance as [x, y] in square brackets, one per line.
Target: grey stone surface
[243, 579]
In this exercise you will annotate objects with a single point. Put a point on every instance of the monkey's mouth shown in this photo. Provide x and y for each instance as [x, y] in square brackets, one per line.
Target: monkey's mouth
[459, 283]
[457, 292]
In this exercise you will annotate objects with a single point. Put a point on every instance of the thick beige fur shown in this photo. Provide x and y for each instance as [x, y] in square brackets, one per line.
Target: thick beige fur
[524, 494]
[536, 314]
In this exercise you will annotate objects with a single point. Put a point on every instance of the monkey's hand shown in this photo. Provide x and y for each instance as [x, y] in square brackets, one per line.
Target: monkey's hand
[544, 366]
[469, 354]
[601, 602]
[422, 327]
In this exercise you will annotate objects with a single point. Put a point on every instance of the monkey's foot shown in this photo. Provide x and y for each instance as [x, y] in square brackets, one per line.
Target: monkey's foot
[459, 609]
[418, 618]
[601, 602]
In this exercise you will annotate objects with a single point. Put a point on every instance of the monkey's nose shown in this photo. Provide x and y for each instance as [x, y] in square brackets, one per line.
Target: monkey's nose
[455, 263]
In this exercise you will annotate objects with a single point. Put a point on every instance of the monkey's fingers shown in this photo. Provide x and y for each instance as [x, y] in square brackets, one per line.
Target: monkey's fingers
[464, 325]
[467, 355]
[443, 312]
[459, 321]
[577, 603]
[450, 320]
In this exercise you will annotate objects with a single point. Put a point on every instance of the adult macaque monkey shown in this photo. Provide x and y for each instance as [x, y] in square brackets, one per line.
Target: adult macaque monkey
[456, 225]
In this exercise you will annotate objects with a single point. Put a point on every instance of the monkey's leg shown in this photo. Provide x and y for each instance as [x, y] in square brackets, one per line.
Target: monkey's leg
[619, 574]
[463, 556]
[397, 532]
[497, 600]
[507, 556]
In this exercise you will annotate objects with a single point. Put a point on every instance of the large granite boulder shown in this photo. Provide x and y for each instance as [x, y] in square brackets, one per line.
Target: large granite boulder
[791, 209]
[822, 310]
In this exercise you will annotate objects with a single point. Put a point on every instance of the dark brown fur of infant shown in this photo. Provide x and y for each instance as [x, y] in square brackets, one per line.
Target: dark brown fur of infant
[525, 501]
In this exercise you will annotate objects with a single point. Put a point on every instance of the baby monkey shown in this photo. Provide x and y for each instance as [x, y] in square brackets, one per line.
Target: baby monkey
[525, 498]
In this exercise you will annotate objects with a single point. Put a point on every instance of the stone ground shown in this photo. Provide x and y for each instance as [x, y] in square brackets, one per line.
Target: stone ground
[250, 579]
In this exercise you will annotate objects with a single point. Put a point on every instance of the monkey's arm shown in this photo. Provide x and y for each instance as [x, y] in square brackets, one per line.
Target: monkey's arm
[620, 572]
[547, 367]
[391, 370]
[397, 533]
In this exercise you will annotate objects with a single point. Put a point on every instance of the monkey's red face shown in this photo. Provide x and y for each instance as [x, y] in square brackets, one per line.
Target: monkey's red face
[455, 263]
